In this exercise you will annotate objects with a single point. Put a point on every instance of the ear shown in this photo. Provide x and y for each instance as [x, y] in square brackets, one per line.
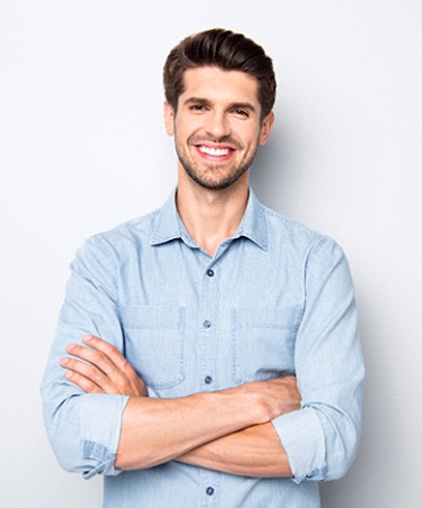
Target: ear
[169, 118]
[266, 128]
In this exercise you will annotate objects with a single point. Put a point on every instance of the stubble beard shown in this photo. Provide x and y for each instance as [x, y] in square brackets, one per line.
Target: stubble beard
[211, 180]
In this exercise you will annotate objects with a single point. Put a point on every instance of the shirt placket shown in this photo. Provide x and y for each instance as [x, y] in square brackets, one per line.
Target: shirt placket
[208, 327]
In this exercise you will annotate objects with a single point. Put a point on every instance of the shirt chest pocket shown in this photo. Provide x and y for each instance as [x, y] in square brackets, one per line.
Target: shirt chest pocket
[263, 340]
[154, 342]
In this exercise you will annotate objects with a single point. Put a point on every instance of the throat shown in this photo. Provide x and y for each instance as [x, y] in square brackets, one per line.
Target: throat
[211, 243]
[209, 226]
[210, 217]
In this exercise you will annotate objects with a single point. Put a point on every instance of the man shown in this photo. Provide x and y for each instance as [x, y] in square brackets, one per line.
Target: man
[213, 354]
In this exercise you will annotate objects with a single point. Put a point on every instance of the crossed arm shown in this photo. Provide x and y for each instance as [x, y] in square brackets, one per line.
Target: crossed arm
[227, 430]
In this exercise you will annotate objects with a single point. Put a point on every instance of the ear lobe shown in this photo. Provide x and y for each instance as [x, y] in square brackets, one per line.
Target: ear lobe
[266, 127]
[169, 118]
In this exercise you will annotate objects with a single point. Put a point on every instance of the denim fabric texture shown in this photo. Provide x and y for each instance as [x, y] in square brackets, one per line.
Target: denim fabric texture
[276, 299]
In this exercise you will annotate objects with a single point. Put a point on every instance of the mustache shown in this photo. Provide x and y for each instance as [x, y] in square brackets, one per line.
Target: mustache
[197, 140]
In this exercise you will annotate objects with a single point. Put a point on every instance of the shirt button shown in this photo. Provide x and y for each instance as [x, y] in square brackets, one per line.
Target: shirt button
[208, 380]
[210, 273]
[207, 324]
[210, 491]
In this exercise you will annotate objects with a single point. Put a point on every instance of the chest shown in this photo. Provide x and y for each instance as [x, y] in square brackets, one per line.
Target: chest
[194, 323]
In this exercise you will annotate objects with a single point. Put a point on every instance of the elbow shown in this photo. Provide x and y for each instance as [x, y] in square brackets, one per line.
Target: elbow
[63, 433]
[73, 453]
[342, 452]
[338, 468]
[68, 459]
[340, 434]
[86, 458]
[67, 451]
[337, 463]
[66, 448]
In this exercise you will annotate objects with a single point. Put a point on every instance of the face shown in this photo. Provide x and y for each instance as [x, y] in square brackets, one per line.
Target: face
[217, 127]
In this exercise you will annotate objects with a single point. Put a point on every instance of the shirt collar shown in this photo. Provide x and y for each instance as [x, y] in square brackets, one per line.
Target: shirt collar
[168, 226]
[254, 224]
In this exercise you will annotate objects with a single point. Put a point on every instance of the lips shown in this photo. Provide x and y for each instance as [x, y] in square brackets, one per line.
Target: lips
[214, 152]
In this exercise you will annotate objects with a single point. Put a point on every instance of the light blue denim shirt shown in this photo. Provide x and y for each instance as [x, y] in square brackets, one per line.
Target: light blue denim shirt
[276, 299]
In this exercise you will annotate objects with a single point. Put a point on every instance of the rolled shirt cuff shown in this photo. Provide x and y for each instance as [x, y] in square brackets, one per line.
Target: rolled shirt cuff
[100, 424]
[303, 440]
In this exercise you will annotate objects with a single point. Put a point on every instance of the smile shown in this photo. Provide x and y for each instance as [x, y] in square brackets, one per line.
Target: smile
[214, 152]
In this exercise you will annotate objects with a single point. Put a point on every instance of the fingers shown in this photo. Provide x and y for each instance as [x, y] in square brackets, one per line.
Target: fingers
[112, 362]
[101, 368]
[97, 372]
[282, 394]
[94, 356]
[111, 352]
[87, 376]
[86, 384]
[286, 382]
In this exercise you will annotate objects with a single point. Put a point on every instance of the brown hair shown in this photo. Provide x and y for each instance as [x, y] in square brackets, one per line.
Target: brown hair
[228, 51]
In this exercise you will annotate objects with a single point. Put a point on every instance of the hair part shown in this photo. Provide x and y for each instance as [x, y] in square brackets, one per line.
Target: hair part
[223, 49]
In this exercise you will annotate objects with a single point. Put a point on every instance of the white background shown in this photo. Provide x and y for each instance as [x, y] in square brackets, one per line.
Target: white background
[83, 148]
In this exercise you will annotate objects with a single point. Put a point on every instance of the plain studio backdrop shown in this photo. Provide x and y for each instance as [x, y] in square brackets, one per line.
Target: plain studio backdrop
[83, 148]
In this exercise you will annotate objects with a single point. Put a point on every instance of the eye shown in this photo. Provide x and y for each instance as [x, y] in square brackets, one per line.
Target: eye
[241, 112]
[197, 107]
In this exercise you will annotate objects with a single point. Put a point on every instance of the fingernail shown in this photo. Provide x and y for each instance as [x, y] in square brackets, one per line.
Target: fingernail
[87, 338]
[69, 347]
[64, 361]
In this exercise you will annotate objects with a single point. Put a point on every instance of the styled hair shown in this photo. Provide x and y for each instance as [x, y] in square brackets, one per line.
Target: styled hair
[223, 49]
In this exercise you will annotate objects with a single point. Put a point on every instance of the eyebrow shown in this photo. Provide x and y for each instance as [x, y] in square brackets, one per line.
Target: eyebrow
[233, 105]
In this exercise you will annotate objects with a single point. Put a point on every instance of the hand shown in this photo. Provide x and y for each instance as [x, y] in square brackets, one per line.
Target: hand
[277, 396]
[107, 370]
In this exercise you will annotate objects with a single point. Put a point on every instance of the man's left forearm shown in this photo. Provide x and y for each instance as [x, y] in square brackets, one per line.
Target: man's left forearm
[255, 451]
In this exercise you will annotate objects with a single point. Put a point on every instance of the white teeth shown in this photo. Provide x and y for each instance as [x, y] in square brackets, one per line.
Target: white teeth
[217, 152]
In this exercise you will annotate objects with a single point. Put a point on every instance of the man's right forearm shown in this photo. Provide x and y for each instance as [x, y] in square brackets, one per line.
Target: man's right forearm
[155, 431]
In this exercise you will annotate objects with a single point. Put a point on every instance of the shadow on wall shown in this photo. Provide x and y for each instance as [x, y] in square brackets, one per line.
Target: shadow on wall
[277, 169]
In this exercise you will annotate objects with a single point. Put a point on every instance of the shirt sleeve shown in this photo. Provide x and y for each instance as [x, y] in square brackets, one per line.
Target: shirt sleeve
[84, 429]
[321, 438]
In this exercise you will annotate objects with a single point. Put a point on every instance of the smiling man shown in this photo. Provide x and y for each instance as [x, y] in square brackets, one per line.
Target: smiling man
[223, 132]
[207, 354]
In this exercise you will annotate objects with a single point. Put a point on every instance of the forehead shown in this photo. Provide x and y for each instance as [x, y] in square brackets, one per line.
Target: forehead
[213, 83]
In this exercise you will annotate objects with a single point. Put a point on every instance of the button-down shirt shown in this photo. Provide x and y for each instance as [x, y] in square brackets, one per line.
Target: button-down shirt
[275, 299]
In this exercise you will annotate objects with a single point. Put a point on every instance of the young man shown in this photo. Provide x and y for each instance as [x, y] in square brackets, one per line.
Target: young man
[213, 357]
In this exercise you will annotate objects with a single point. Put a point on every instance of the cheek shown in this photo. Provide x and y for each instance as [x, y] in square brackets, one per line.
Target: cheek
[251, 135]
[180, 132]
[189, 125]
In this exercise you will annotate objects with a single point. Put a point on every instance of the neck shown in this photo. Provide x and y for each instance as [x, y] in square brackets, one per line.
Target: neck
[211, 216]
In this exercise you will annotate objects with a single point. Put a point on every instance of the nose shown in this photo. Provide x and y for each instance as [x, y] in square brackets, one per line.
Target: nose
[218, 125]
